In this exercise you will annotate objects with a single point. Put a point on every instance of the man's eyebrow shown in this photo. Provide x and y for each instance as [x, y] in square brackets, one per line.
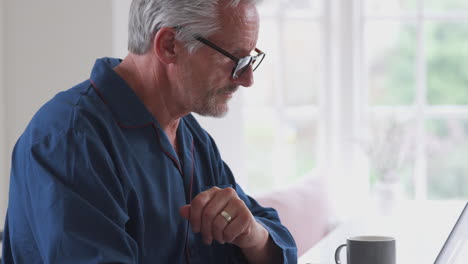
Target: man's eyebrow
[242, 52]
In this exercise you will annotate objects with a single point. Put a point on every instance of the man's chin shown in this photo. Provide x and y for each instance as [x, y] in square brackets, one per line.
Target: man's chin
[217, 112]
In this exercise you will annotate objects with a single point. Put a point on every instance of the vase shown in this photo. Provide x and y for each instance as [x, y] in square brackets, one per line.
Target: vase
[386, 196]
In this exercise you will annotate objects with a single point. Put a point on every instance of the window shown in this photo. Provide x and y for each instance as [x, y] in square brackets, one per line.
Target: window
[370, 90]
[280, 112]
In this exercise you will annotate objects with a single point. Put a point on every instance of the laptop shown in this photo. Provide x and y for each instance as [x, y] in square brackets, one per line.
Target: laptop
[455, 249]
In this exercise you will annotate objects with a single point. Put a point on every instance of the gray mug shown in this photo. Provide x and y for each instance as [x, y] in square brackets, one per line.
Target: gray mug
[368, 250]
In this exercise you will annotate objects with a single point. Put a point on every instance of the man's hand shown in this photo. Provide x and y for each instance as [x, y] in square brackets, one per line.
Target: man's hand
[204, 215]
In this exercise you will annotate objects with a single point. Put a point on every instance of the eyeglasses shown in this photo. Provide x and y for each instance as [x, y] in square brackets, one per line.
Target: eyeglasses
[242, 64]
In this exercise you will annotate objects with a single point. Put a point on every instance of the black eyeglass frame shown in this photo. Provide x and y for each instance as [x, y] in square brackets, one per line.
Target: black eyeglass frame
[241, 63]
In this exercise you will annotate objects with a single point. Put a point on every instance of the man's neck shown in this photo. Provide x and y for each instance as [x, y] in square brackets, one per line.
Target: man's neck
[149, 82]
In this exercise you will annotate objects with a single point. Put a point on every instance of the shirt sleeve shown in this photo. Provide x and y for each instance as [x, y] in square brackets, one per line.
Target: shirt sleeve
[268, 218]
[67, 188]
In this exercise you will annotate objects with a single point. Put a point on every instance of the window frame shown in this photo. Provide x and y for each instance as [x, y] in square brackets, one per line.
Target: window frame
[343, 110]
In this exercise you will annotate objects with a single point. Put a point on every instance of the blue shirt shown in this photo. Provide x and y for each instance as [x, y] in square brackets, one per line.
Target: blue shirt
[94, 179]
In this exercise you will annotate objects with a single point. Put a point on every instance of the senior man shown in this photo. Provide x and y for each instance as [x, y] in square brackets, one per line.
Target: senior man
[117, 170]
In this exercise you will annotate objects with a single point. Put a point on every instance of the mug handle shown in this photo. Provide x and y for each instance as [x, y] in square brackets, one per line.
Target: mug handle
[337, 254]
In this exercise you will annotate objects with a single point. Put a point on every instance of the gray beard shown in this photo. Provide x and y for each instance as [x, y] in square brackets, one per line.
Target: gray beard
[208, 105]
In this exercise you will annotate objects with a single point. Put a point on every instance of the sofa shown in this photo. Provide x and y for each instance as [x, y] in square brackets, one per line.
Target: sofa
[304, 208]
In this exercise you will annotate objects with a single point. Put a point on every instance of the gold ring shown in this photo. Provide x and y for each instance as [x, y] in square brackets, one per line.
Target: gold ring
[226, 216]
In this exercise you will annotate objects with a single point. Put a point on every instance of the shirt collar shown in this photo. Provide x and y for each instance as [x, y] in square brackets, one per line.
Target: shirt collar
[125, 105]
[130, 112]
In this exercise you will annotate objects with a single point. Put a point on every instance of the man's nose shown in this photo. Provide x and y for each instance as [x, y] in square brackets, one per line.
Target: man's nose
[246, 79]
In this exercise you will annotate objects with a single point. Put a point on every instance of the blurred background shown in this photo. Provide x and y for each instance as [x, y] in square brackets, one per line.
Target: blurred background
[369, 95]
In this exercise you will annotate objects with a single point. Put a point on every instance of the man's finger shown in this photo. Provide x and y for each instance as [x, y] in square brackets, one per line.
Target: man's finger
[221, 222]
[241, 220]
[213, 209]
[197, 205]
[184, 211]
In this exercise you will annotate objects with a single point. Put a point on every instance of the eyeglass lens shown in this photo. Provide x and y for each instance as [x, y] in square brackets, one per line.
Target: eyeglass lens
[245, 62]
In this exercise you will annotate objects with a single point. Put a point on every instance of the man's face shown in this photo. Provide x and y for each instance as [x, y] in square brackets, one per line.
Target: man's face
[208, 74]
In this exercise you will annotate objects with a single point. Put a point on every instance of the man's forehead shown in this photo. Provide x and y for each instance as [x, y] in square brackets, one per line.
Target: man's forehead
[239, 29]
[244, 13]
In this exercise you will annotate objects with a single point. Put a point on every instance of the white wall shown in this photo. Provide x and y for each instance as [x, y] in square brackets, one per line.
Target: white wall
[50, 45]
[120, 9]
[3, 145]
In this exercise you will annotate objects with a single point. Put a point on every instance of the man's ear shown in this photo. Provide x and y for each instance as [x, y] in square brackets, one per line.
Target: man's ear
[165, 45]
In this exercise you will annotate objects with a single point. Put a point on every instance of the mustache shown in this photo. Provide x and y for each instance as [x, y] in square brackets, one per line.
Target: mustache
[229, 89]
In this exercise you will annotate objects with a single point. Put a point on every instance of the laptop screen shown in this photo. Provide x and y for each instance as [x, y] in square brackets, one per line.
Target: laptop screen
[455, 249]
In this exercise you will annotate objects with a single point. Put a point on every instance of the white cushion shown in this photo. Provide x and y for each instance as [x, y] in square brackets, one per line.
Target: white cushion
[304, 209]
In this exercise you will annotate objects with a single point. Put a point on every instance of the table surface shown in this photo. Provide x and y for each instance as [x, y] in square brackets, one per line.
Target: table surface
[420, 230]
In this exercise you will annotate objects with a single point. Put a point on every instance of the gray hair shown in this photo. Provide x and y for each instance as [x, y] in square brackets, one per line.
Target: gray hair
[190, 17]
